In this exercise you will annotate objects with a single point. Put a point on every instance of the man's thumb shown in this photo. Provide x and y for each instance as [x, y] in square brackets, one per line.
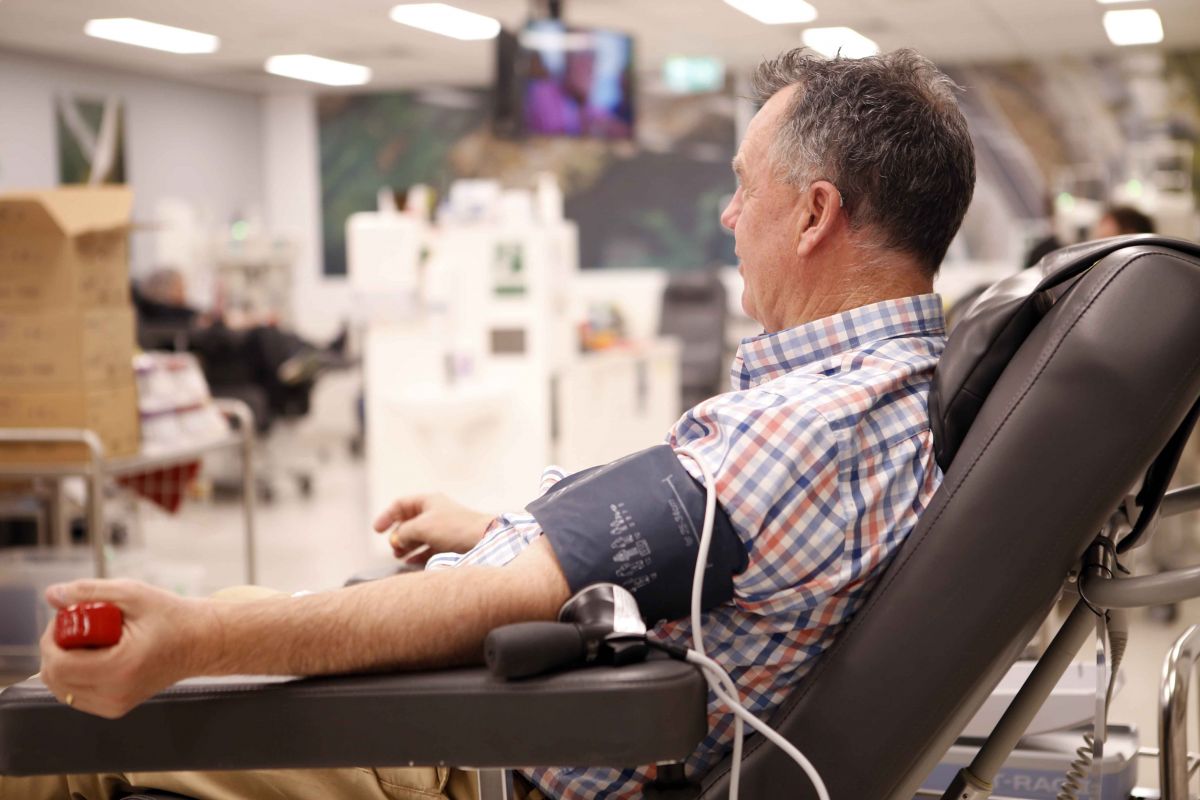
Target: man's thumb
[61, 595]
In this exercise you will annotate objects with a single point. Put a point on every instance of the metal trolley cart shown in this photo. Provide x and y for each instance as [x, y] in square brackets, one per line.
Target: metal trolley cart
[98, 469]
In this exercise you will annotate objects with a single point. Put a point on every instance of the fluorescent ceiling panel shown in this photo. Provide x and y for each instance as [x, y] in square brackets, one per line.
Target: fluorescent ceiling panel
[776, 12]
[139, 32]
[446, 20]
[829, 42]
[318, 70]
[1133, 26]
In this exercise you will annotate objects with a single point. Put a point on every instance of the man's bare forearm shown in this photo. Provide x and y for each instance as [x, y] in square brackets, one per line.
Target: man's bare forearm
[410, 621]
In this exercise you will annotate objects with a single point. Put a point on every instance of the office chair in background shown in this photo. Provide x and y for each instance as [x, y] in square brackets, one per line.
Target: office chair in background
[694, 311]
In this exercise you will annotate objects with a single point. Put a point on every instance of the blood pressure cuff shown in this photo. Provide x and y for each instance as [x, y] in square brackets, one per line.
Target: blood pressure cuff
[636, 522]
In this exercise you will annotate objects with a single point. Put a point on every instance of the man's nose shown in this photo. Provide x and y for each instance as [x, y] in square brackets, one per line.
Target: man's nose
[730, 214]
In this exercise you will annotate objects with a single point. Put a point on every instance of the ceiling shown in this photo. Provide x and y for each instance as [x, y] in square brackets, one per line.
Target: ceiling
[949, 31]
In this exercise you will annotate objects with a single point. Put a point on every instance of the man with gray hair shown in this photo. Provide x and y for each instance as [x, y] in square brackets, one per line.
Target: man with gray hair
[852, 180]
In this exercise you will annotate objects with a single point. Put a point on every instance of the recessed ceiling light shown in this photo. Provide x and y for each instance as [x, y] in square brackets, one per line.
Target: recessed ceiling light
[830, 42]
[446, 20]
[128, 30]
[318, 70]
[776, 12]
[1133, 26]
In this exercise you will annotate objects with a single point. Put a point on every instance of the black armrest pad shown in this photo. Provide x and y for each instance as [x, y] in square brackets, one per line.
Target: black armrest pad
[601, 716]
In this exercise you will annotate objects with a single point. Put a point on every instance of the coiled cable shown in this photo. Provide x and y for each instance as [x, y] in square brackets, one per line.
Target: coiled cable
[1077, 773]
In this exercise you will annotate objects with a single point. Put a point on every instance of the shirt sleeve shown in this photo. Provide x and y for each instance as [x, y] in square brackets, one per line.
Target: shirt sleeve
[505, 539]
[777, 466]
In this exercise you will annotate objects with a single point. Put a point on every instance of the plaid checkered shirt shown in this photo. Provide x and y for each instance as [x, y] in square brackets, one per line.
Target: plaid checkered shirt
[823, 460]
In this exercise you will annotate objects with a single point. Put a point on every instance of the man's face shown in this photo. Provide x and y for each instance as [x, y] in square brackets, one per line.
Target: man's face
[764, 216]
[1107, 226]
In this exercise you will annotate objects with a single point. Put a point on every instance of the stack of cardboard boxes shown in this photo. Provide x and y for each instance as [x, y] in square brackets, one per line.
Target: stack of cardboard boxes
[66, 321]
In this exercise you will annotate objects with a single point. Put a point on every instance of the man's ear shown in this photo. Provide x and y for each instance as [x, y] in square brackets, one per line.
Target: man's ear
[823, 215]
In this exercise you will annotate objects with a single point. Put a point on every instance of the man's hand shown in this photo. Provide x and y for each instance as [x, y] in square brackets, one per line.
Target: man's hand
[428, 524]
[163, 640]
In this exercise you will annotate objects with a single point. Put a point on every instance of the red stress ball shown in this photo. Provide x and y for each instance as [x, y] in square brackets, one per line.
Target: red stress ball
[88, 625]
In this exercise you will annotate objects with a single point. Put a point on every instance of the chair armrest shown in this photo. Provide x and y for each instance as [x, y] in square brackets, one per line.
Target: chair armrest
[600, 716]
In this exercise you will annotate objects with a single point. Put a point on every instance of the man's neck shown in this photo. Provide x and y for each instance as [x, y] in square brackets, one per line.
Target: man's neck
[853, 277]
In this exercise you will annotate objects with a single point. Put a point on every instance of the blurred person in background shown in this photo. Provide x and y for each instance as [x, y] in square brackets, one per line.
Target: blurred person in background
[1048, 243]
[1122, 220]
[236, 350]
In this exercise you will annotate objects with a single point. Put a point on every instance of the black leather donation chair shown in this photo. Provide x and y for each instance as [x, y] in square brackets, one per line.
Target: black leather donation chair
[1055, 411]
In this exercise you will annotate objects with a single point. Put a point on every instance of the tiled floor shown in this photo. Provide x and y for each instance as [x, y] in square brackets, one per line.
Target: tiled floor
[316, 543]
[302, 543]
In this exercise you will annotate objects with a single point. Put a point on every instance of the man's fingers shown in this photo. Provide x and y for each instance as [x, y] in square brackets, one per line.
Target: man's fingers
[384, 521]
[61, 686]
[408, 535]
[93, 700]
[77, 668]
[60, 674]
[88, 674]
[403, 509]
[418, 556]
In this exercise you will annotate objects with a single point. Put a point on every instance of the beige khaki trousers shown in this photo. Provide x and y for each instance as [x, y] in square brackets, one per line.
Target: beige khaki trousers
[404, 783]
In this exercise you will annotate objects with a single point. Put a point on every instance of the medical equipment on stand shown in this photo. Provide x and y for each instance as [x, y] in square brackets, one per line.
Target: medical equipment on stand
[471, 356]
[460, 369]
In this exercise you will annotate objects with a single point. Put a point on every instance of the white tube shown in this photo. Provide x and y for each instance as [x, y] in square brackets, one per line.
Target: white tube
[773, 736]
[718, 679]
[710, 508]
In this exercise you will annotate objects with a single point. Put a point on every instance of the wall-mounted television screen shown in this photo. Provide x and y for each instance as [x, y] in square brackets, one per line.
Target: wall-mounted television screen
[559, 81]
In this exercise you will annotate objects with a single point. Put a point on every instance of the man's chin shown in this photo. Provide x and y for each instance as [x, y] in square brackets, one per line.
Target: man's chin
[748, 304]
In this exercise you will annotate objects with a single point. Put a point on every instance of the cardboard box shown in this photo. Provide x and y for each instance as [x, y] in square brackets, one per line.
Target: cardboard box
[112, 413]
[65, 248]
[61, 351]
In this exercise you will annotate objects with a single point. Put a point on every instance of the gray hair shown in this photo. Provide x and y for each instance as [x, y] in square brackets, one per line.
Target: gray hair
[888, 132]
[164, 284]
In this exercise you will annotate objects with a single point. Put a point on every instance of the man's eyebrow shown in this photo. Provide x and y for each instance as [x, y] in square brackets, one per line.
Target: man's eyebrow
[736, 164]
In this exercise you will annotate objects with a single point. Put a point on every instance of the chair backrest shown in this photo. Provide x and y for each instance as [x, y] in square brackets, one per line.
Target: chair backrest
[1090, 393]
[694, 311]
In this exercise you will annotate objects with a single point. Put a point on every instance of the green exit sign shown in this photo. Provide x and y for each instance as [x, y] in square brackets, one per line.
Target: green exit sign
[691, 74]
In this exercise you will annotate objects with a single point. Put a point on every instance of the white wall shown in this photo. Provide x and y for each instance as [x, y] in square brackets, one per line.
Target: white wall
[182, 141]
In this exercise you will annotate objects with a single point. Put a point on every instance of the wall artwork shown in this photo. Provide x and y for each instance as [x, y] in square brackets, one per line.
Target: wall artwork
[91, 140]
[650, 202]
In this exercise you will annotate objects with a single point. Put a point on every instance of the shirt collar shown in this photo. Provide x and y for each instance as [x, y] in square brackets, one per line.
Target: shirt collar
[769, 355]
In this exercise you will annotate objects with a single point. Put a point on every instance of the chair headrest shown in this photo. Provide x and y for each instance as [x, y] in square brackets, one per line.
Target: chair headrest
[996, 325]
[701, 286]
